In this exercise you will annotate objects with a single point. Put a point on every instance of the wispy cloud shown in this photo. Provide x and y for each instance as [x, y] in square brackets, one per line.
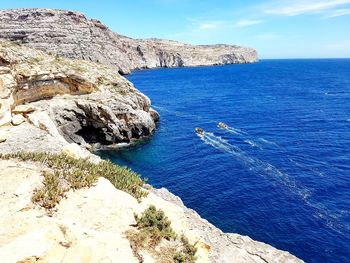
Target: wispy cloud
[298, 7]
[338, 12]
[221, 24]
[247, 22]
[198, 25]
[205, 26]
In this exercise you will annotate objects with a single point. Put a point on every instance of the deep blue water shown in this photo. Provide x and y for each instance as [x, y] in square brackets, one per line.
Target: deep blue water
[280, 173]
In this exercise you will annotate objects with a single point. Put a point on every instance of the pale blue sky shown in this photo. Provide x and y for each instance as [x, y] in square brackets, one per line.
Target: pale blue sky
[276, 28]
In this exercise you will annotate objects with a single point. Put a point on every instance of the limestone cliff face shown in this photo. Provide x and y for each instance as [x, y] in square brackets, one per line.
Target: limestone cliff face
[81, 101]
[72, 35]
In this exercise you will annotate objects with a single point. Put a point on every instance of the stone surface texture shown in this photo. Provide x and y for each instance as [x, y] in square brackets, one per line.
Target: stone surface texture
[89, 225]
[75, 101]
[73, 35]
[221, 247]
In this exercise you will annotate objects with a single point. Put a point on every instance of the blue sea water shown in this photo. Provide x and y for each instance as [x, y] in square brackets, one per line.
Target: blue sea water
[280, 173]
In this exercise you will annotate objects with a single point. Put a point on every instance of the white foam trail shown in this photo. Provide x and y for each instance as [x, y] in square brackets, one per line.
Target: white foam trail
[253, 144]
[303, 166]
[241, 133]
[259, 166]
[238, 132]
[223, 145]
[208, 138]
[268, 142]
[235, 131]
[336, 93]
[251, 162]
[330, 220]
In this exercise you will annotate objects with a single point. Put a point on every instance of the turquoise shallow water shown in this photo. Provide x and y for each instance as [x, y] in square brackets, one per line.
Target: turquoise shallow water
[280, 173]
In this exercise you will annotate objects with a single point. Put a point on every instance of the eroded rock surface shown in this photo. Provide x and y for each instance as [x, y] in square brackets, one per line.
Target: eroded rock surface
[89, 225]
[221, 247]
[72, 35]
[74, 101]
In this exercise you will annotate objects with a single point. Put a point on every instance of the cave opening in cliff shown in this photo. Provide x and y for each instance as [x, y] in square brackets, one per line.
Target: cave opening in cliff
[94, 135]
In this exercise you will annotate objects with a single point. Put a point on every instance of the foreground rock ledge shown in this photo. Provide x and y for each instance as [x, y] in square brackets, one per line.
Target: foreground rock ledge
[89, 225]
[72, 35]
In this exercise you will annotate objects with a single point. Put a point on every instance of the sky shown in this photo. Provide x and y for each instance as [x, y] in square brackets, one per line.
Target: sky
[276, 28]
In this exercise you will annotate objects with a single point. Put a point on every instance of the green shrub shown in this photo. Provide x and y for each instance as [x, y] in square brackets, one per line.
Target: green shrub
[154, 224]
[75, 174]
[152, 227]
[187, 253]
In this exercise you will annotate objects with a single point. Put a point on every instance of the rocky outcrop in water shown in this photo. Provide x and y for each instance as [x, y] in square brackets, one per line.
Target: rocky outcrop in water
[75, 101]
[72, 35]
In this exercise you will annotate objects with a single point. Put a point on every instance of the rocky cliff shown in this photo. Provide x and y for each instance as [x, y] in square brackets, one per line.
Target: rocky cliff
[75, 101]
[71, 34]
[55, 105]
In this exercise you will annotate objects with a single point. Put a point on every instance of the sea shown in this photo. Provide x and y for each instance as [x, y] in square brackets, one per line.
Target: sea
[279, 172]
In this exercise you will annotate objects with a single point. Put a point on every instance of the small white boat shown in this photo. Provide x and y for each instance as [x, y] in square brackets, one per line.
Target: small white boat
[222, 125]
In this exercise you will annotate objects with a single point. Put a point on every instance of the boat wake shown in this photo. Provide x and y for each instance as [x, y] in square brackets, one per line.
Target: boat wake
[243, 134]
[251, 163]
[253, 144]
[269, 171]
[265, 169]
[229, 129]
[268, 142]
[248, 138]
[236, 131]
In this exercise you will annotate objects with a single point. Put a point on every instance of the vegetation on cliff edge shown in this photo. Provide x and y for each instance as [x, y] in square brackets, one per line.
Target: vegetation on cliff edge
[67, 173]
[154, 229]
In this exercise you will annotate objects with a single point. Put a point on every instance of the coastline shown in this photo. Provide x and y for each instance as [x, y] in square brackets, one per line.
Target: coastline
[38, 131]
[46, 101]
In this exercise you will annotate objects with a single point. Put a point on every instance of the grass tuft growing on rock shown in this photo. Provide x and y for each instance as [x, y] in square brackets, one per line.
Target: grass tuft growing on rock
[70, 173]
[51, 193]
[187, 254]
[153, 227]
